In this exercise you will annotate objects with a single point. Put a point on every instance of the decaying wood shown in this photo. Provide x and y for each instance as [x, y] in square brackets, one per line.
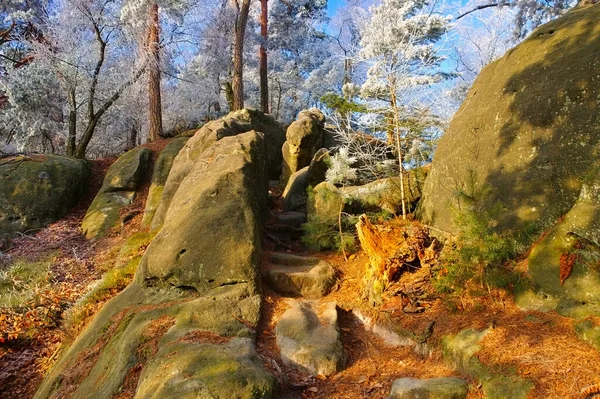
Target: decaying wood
[398, 245]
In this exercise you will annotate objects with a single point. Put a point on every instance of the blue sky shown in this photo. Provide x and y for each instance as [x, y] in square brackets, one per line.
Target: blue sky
[333, 5]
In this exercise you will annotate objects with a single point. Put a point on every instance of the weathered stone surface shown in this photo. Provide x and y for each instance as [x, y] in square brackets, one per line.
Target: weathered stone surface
[576, 235]
[37, 190]
[195, 247]
[528, 129]
[230, 370]
[589, 332]
[308, 337]
[293, 219]
[304, 138]
[461, 350]
[295, 195]
[438, 388]
[184, 335]
[325, 203]
[162, 167]
[311, 278]
[382, 194]
[118, 189]
[233, 124]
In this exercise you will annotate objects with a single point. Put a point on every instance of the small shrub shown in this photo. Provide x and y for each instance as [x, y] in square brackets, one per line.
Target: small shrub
[480, 253]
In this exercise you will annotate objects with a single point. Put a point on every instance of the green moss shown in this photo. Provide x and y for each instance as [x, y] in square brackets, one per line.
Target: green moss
[122, 180]
[121, 268]
[589, 332]
[497, 383]
[39, 190]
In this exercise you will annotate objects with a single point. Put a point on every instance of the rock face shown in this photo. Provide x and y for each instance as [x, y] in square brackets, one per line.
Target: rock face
[529, 130]
[185, 327]
[162, 167]
[303, 276]
[304, 138]
[439, 388]
[309, 339]
[38, 190]
[382, 194]
[233, 124]
[564, 264]
[122, 180]
[295, 195]
[195, 248]
[461, 350]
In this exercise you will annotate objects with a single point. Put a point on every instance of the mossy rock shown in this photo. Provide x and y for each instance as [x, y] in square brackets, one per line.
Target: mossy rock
[529, 129]
[178, 334]
[118, 189]
[162, 167]
[577, 235]
[37, 190]
[205, 370]
[438, 388]
[126, 173]
[304, 137]
[589, 332]
[295, 193]
[213, 227]
[384, 194]
[233, 124]
[461, 351]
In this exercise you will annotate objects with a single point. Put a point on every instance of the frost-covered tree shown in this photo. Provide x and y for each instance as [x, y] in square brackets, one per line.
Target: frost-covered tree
[399, 43]
[299, 56]
[528, 14]
[85, 54]
[20, 22]
[478, 39]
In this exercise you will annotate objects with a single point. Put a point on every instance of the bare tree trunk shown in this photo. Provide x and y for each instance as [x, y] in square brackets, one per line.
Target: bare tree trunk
[71, 143]
[238, 53]
[95, 117]
[399, 148]
[133, 135]
[154, 101]
[264, 82]
[229, 95]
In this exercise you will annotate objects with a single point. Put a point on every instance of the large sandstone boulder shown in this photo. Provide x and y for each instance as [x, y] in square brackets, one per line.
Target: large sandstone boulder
[162, 167]
[528, 135]
[37, 190]
[383, 194]
[564, 265]
[195, 247]
[185, 327]
[295, 193]
[233, 124]
[528, 130]
[121, 182]
[304, 138]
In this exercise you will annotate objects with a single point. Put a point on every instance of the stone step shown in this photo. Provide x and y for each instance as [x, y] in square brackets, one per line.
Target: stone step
[294, 275]
[308, 337]
[439, 388]
[293, 219]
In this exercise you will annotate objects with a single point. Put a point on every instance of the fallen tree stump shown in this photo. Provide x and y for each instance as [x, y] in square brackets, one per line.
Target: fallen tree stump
[391, 248]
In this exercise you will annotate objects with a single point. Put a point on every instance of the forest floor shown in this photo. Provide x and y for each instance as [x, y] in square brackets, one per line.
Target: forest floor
[540, 347]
